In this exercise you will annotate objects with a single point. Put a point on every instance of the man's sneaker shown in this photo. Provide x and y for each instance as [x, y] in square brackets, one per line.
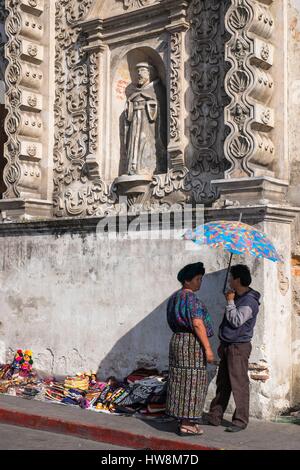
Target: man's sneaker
[234, 428]
[211, 422]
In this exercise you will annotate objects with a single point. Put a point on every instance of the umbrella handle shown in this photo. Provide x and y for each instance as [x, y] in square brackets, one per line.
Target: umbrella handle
[227, 274]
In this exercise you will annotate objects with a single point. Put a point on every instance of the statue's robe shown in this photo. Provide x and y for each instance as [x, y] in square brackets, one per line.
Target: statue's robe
[146, 130]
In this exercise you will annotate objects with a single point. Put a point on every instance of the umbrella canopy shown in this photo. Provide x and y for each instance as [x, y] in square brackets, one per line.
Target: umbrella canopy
[235, 237]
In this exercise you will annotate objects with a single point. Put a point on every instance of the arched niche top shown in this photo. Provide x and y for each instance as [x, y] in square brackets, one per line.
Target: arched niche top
[109, 8]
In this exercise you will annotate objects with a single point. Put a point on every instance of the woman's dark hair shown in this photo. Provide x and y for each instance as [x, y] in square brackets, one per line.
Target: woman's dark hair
[190, 271]
[241, 272]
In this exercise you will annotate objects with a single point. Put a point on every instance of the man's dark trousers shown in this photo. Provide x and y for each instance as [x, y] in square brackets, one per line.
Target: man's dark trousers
[232, 377]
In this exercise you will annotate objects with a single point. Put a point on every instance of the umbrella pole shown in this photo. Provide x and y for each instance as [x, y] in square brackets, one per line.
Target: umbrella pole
[227, 274]
[230, 261]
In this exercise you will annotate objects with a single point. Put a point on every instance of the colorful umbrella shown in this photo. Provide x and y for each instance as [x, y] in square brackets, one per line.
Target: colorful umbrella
[235, 237]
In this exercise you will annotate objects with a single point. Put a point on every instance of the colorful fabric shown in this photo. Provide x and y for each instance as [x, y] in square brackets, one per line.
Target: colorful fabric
[187, 381]
[235, 237]
[183, 307]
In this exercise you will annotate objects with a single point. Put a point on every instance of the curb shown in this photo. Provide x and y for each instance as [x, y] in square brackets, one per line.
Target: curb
[95, 433]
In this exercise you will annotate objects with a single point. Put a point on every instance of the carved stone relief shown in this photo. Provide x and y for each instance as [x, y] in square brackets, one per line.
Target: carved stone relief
[283, 280]
[137, 3]
[250, 85]
[78, 186]
[3, 16]
[208, 98]
[76, 113]
[24, 126]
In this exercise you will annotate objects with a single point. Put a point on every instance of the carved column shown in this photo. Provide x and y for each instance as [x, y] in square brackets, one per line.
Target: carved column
[177, 29]
[250, 85]
[207, 97]
[78, 188]
[25, 127]
[255, 45]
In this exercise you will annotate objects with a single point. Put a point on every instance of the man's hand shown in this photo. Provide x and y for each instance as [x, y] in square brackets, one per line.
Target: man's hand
[230, 296]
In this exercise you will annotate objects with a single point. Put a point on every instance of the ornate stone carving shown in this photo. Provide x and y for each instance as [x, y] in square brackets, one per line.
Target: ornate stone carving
[22, 173]
[207, 129]
[76, 110]
[175, 62]
[31, 150]
[250, 86]
[76, 113]
[136, 3]
[32, 50]
[168, 183]
[176, 147]
[283, 280]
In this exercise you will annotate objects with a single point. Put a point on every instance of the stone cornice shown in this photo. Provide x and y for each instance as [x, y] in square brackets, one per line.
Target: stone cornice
[254, 214]
[251, 214]
[121, 28]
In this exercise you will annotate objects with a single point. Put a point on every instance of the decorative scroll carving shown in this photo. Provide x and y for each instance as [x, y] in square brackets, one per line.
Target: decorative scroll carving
[3, 16]
[12, 171]
[78, 188]
[175, 62]
[250, 86]
[168, 183]
[136, 3]
[76, 108]
[22, 173]
[176, 128]
[76, 104]
[208, 98]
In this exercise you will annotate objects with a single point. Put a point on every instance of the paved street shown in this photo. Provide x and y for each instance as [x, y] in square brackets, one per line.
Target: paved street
[17, 438]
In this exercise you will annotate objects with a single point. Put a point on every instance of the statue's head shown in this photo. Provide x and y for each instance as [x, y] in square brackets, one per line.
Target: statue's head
[145, 73]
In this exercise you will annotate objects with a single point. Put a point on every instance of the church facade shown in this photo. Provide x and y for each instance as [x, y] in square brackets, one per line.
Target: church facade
[117, 111]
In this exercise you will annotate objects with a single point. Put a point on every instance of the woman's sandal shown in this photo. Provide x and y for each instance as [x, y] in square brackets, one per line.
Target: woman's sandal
[188, 432]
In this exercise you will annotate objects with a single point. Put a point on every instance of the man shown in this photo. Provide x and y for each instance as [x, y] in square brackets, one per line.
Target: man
[235, 333]
[145, 124]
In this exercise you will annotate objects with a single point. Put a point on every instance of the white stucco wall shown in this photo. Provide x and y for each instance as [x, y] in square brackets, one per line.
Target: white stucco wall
[80, 302]
[294, 157]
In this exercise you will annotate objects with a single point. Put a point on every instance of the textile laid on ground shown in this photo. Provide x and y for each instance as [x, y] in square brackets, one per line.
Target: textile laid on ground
[80, 382]
[188, 382]
[142, 392]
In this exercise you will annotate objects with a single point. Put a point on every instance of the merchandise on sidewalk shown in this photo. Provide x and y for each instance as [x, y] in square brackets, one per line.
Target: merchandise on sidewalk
[142, 393]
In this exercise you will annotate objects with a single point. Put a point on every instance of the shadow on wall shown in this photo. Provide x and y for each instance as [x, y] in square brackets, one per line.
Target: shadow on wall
[147, 343]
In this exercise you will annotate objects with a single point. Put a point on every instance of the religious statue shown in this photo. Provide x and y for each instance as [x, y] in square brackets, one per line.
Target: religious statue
[145, 124]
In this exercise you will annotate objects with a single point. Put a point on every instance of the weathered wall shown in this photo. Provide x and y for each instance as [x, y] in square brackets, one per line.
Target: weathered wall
[83, 302]
[2, 93]
[294, 156]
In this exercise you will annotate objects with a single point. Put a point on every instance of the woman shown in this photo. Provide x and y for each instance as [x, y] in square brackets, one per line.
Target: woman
[189, 352]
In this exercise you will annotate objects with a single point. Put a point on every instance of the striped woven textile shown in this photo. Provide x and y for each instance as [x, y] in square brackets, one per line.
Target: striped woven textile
[187, 381]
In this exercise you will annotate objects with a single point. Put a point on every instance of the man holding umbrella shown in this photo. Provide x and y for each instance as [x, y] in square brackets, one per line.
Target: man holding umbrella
[235, 333]
[237, 327]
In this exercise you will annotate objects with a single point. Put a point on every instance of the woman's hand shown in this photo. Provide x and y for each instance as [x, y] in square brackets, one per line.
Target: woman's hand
[200, 331]
[209, 355]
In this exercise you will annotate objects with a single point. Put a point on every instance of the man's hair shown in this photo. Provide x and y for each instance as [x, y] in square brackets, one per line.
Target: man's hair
[242, 272]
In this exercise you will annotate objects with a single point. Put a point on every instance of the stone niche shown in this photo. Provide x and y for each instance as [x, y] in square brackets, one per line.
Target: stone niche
[122, 93]
[141, 83]
[101, 141]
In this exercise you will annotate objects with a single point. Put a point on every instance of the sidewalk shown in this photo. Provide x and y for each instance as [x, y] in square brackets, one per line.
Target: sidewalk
[140, 434]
